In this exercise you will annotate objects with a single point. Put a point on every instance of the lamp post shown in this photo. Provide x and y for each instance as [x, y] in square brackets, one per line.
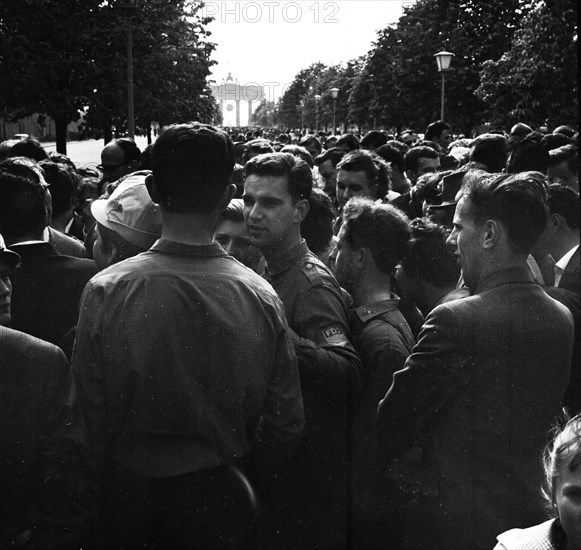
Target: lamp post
[317, 99]
[128, 8]
[334, 94]
[443, 60]
[302, 104]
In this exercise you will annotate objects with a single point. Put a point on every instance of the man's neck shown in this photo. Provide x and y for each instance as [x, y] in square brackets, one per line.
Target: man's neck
[192, 229]
[371, 290]
[271, 253]
[23, 238]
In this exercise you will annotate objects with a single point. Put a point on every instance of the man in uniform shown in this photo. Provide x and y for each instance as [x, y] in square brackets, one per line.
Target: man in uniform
[276, 200]
[184, 366]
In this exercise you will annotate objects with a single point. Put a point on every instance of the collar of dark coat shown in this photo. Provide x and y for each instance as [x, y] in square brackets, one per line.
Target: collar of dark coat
[504, 276]
[281, 261]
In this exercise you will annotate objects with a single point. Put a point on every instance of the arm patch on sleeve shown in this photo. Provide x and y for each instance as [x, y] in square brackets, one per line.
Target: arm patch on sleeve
[334, 336]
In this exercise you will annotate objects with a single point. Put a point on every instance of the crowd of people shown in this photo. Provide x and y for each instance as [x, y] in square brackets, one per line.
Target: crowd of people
[286, 341]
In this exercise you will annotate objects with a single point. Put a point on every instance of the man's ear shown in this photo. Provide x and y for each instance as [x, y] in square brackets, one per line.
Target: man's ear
[301, 210]
[556, 221]
[152, 189]
[133, 165]
[411, 176]
[492, 233]
[363, 257]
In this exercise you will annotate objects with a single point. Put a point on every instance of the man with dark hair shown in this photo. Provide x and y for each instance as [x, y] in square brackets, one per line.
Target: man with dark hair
[200, 368]
[395, 168]
[469, 413]
[439, 133]
[29, 147]
[327, 166]
[490, 150]
[373, 139]
[312, 144]
[371, 242]
[564, 166]
[48, 285]
[119, 157]
[428, 271]
[420, 160]
[276, 201]
[561, 237]
[409, 138]
[317, 227]
[362, 174]
[528, 154]
[256, 147]
[232, 235]
[348, 143]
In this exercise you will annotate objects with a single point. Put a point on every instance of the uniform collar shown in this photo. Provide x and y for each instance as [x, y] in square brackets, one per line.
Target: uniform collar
[281, 261]
[211, 250]
[503, 277]
[369, 311]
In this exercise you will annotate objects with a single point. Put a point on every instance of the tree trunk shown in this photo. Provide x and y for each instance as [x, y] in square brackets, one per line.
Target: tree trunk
[61, 122]
[107, 134]
[149, 134]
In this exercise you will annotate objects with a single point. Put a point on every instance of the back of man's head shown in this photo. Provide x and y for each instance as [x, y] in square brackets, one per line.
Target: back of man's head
[382, 228]
[333, 154]
[528, 155]
[299, 151]
[565, 130]
[373, 165]
[130, 149]
[23, 208]
[518, 201]
[428, 256]
[317, 226]
[29, 147]
[192, 164]
[564, 201]
[295, 170]
[373, 139]
[64, 185]
[348, 142]
[491, 150]
[391, 155]
[312, 143]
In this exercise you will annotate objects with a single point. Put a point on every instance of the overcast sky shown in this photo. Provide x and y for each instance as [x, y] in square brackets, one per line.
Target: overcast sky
[268, 42]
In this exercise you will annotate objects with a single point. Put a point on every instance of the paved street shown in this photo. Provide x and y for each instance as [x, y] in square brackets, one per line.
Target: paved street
[87, 153]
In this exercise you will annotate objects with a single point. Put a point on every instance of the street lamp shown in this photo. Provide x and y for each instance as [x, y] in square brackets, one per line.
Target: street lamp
[317, 99]
[443, 60]
[302, 115]
[128, 8]
[334, 94]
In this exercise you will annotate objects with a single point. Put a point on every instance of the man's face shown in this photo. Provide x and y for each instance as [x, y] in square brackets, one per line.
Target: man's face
[5, 294]
[567, 498]
[444, 140]
[425, 166]
[113, 164]
[409, 138]
[353, 184]
[343, 256]
[467, 240]
[233, 238]
[328, 173]
[560, 173]
[269, 211]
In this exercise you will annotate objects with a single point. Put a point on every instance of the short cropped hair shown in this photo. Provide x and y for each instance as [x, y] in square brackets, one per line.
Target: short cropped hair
[333, 154]
[297, 172]
[568, 154]
[373, 139]
[29, 147]
[435, 129]
[130, 150]
[64, 185]
[519, 201]
[311, 140]
[428, 255]
[192, 165]
[349, 140]
[382, 228]
[413, 156]
[300, 152]
[234, 212]
[389, 153]
[528, 154]
[317, 226]
[490, 150]
[564, 201]
[22, 198]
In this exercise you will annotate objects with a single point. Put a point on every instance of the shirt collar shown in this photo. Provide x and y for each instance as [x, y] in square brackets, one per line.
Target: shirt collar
[562, 263]
[369, 311]
[211, 250]
[504, 276]
[281, 261]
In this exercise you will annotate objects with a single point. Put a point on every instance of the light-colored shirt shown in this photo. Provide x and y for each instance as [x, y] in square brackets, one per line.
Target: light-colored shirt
[561, 265]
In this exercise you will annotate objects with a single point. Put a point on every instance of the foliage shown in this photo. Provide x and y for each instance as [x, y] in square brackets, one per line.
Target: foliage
[535, 81]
